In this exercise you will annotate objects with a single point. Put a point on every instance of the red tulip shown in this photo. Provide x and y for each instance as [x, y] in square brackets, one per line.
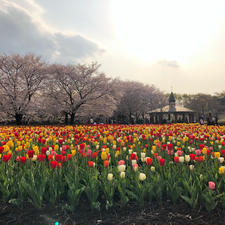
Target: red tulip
[58, 157]
[41, 157]
[82, 146]
[53, 164]
[201, 158]
[192, 156]
[162, 162]
[50, 157]
[90, 164]
[106, 163]
[69, 156]
[43, 150]
[23, 159]
[30, 153]
[170, 146]
[223, 152]
[176, 159]
[64, 158]
[6, 158]
[149, 161]
[133, 156]
[94, 155]
[163, 147]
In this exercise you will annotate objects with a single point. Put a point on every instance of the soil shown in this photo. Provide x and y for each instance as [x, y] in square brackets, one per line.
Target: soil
[130, 215]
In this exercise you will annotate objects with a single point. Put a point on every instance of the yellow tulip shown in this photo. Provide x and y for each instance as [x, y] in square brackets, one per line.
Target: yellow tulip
[6, 148]
[56, 147]
[104, 156]
[217, 154]
[117, 154]
[222, 170]
[107, 150]
[204, 151]
[73, 152]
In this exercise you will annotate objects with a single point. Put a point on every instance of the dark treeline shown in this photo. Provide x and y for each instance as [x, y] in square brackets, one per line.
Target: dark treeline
[32, 91]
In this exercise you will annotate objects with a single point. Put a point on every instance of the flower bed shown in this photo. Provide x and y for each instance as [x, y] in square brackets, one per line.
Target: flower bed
[106, 165]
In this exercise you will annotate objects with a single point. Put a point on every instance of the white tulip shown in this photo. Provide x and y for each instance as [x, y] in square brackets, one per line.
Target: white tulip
[34, 158]
[221, 159]
[187, 158]
[110, 176]
[142, 176]
[121, 168]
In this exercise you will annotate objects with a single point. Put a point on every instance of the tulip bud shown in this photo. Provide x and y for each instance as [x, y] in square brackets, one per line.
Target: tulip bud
[152, 168]
[191, 167]
[211, 185]
[135, 167]
[110, 176]
[122, 175]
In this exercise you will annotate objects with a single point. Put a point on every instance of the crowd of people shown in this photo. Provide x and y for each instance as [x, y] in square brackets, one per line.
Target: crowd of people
[209, 119]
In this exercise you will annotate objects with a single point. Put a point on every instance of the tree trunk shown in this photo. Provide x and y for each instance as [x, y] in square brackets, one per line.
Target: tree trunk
[72, 116]
[66, 118]
[18, 117]
[130, 118]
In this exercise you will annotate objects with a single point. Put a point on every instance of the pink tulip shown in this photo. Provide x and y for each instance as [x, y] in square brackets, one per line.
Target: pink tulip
[135, 166]
[88, 153]
[53, 152]
[64, 148]
[211, 185]
[179, 153]
[170, 152]
[198, 152]
[121, 162]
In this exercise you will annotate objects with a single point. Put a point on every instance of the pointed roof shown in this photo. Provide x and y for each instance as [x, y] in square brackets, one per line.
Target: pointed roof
[167, 107]
[172, 98]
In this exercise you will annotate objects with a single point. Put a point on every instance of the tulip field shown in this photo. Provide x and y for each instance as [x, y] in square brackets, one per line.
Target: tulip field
[113, 165]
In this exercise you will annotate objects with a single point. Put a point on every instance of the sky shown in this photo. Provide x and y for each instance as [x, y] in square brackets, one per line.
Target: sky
[175, 45]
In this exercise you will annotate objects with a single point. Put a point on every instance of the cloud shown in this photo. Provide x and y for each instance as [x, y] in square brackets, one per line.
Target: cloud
[24, 31]
[169, 63]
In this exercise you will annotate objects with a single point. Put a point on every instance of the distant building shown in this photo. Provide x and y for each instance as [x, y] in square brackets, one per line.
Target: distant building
[172, 113]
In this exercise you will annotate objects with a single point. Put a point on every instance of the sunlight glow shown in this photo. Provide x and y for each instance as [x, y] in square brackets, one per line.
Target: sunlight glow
[160, 29]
